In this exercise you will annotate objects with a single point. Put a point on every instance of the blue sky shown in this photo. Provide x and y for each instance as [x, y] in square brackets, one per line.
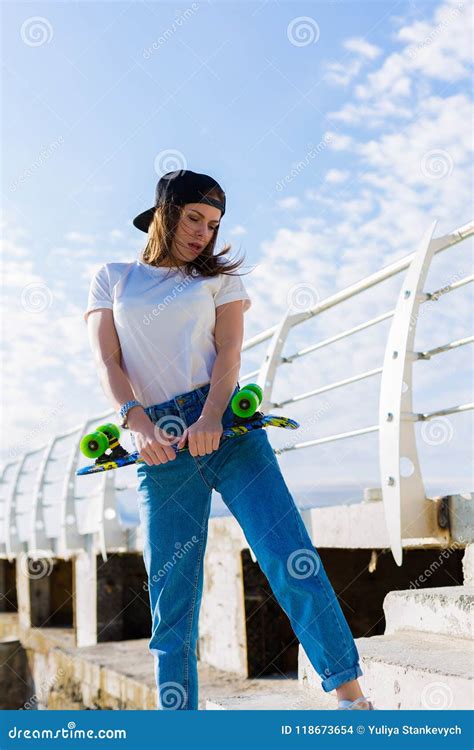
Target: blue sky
[338, 129]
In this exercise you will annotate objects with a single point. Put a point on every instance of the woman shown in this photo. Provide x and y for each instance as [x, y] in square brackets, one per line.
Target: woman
[166, 334]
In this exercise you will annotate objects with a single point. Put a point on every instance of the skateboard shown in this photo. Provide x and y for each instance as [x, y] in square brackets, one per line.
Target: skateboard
[103, 444]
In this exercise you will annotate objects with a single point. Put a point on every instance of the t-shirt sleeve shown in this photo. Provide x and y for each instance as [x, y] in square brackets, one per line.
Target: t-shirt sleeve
[99, 292]
[232, 288]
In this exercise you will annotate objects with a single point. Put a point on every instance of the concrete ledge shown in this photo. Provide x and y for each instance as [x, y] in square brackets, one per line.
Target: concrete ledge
[284, 698]
[410, 670]
[444, 610]
[112, 676]
[362, 525]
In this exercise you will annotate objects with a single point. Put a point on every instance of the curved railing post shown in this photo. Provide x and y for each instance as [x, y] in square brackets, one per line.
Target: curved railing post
[14, 544]
[403, 493]
[10, 539]
[266, 375]
[70, 536]
[38, 539]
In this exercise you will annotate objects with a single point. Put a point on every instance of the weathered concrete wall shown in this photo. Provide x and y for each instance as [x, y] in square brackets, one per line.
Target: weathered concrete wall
[468, 565]
[222, 632]
[15, 677]
[94, 678]
[111, 601]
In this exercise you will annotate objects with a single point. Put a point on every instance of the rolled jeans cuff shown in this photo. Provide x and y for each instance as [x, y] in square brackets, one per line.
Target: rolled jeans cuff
[338, 679]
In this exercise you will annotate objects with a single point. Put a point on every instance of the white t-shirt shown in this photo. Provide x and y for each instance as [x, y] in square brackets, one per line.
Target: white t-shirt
[165, 322]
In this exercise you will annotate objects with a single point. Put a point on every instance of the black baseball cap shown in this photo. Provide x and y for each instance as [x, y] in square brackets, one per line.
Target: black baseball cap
[181, 187]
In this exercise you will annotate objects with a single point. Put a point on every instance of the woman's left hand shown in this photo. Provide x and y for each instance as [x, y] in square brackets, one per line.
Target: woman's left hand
[203, 436]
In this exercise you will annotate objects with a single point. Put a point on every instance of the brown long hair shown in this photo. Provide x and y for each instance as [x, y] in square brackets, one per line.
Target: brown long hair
[160, 237]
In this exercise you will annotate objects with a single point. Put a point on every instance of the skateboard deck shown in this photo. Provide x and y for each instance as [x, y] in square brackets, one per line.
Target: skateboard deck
[119, 457]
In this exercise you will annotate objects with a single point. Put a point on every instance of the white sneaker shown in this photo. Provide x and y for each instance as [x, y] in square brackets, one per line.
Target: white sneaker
[348, 705]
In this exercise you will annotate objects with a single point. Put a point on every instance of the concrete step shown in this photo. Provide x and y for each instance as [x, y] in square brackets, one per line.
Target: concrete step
[409, 670]
[286, 696]
[446, 610]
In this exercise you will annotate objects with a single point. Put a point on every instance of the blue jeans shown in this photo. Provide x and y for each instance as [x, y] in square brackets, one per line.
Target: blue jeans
[174, 503]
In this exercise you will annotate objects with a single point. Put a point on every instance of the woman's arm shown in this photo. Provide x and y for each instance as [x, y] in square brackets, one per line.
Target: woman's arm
[229, 334]
[152, 443]
[204, 435]
[107, 355]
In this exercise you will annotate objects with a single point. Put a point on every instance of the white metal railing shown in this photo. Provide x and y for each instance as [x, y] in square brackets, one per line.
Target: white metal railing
[74, 515]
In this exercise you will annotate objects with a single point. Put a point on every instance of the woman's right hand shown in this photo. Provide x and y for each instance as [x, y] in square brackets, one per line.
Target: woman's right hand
[153, 444]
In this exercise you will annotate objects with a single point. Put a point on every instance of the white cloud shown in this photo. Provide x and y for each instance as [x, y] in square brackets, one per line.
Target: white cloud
[439, 49]
[116, 234]
[372, 115]
[342, 73]
[336, 176]
[442, 48]
[363, 48]
[238, 229]
[290, 202]
[386, 80]
[337, 141]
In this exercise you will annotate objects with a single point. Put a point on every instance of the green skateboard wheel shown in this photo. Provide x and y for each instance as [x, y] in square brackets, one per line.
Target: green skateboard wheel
[245, 403]
[110, 429]
[94, 444]
[256, 389]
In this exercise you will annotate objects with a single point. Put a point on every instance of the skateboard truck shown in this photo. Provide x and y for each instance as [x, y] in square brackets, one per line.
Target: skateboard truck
[104, 438]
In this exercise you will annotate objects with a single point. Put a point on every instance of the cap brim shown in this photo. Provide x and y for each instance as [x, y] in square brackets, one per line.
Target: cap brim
[143, 220]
